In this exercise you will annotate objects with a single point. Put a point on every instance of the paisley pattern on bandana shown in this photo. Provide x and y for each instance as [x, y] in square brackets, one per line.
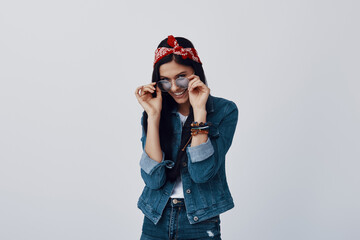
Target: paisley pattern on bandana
[177, 49]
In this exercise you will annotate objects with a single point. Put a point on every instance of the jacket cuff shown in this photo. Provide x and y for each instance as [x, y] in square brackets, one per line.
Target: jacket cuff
[148, 164]
[200, 152]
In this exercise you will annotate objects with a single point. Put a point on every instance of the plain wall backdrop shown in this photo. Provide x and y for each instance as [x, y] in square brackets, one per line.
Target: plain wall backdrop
[70, 123]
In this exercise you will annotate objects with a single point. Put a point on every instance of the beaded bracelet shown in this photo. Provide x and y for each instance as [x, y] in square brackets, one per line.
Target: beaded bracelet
[205, 127]
[201, 124]
[195, 132]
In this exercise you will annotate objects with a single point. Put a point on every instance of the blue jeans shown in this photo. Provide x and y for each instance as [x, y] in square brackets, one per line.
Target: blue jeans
[174, 225]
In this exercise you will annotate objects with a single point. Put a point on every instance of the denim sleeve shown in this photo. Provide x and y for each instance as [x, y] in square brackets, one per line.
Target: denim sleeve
[153, 172]
[205, 160]
[201, 152]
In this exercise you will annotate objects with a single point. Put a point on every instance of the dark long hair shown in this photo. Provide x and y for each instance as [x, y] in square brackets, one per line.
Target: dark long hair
[168, 103]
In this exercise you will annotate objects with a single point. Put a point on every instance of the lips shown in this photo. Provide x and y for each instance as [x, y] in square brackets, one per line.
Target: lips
[179, 94]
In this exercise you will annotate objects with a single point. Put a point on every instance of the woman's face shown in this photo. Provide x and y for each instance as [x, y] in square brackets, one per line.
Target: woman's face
[171, 71]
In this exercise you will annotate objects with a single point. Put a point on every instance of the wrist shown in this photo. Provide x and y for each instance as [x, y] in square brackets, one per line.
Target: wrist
[154, 119]
[200, 114]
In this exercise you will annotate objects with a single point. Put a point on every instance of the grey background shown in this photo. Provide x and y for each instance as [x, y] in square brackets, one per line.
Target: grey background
[70, 123]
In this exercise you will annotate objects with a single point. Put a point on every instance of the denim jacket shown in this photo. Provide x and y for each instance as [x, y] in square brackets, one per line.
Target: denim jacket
[206, 192]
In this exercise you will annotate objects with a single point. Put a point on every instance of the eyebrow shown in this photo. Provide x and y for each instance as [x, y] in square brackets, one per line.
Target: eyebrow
[176, 74]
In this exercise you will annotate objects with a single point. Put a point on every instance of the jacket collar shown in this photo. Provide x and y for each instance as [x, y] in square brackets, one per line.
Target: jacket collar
[209, 105]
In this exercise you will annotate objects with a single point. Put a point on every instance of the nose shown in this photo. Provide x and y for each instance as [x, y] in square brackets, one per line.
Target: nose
[174, 87]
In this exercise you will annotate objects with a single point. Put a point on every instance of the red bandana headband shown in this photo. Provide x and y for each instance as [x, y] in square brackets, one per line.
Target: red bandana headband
[176, 49]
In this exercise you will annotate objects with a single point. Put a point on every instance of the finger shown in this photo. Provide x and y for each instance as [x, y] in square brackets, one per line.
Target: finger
[152, 85]
[191, 82]
[158, 92]
[195, 83]
[137, 91]
[194, 86]
[147, 89]
[192, 76]
[158, 89]
[142, 91]
[200, 86]
[137, 95]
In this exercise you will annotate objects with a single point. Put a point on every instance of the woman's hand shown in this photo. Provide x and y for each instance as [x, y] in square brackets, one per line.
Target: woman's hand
[151, 105]
[198, 92]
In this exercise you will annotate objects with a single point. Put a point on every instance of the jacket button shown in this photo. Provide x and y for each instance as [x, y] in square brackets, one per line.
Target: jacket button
[184, 164]
[188, 191]
[196, 218]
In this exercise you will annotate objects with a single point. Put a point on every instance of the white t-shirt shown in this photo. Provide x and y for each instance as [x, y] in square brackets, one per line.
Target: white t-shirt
[178, 191]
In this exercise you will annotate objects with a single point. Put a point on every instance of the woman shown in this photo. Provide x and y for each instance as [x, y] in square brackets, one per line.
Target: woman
[186, 134]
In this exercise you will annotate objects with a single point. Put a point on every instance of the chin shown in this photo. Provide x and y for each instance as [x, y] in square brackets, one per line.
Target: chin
[180, 101]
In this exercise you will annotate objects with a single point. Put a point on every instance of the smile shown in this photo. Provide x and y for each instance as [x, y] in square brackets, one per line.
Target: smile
[179, 93]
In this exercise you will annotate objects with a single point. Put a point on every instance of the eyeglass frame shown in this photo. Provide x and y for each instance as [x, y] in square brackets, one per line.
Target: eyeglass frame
[163, 80]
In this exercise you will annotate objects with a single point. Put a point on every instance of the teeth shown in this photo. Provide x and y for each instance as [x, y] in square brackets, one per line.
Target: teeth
[178, 94]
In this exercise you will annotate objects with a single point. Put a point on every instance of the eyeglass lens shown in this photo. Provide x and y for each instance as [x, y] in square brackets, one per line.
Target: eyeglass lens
[181, 82]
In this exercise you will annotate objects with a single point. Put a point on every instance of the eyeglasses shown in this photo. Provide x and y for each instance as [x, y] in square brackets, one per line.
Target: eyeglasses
[165, 85]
